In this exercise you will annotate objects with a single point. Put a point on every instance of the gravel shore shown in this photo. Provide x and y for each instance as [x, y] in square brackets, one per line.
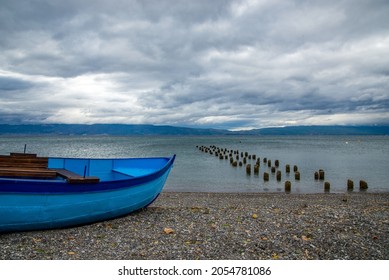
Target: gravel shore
[223, 226]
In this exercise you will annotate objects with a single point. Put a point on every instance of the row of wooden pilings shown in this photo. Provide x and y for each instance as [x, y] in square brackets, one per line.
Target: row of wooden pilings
[319, 175]
[240, 158]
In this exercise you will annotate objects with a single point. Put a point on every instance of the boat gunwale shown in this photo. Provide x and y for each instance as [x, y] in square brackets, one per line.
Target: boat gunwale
[41, 186]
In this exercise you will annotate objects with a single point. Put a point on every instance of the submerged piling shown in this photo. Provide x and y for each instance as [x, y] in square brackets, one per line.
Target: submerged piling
[350, 185]
[278, 175]
[327, 186]
[363, 185]
[266, 176]
[248, 169]
[297, 176]
[287, 168]
[288, 186]
[321, 174]
[256, 169]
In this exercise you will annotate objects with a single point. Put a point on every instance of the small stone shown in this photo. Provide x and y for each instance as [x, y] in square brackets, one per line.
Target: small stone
[168, 230]
[305, 238]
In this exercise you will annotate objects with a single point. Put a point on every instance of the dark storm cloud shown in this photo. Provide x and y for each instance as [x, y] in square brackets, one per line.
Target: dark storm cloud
[11, 84]
[227, 64]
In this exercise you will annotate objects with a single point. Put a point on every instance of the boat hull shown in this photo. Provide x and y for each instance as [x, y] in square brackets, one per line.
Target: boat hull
[22, 211]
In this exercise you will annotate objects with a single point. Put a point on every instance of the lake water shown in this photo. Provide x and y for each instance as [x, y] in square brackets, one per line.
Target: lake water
[341, 157]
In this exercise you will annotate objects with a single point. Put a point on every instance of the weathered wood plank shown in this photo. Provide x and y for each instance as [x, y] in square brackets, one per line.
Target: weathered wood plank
[24, 155]
[74, 178]
[29, 165]
[25, 165]
[30, 173]
[23, 161]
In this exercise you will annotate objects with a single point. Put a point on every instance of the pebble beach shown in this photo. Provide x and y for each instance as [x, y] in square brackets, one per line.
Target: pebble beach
[190, 226]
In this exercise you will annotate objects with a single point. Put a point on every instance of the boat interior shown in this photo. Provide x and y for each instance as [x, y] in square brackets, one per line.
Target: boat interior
[75, 170]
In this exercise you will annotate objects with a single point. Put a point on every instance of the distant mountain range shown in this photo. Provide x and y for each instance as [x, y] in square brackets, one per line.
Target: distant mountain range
[124, 130]
[323, 130]
[104, 129]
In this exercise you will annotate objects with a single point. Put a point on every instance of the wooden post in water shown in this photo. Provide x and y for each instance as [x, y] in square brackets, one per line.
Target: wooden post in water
[321, 174]
[288, 186]
[350, 185]
[248, 169]
[287, 168]
[363, 185]
[256, 169]
[266, 176]
[278, 175]
[297, 176]
[327, 186]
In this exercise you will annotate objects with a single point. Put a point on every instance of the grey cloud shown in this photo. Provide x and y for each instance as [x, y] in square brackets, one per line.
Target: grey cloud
[12, 84]
[202, 63]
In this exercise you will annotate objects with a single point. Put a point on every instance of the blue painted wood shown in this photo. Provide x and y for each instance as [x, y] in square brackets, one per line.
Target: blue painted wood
[27, 204]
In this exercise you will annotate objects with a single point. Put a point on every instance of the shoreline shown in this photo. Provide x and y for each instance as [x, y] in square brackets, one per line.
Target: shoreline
[191, 225]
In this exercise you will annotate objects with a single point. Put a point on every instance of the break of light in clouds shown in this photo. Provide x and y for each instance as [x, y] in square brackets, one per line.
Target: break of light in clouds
[221, 64]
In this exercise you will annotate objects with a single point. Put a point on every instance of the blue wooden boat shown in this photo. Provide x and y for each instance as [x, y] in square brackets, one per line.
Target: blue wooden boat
[44, 193]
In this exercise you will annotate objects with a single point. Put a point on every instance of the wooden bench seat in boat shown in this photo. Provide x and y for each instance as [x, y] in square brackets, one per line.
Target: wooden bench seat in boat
[74, 178]
[30, 161]
[31, 166]
[25, 165]
[28, 173]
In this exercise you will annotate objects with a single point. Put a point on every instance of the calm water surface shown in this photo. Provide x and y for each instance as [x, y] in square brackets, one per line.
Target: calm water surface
[341, 157]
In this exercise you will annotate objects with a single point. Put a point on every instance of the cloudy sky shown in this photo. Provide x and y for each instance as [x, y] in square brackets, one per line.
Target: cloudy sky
[222, 64]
